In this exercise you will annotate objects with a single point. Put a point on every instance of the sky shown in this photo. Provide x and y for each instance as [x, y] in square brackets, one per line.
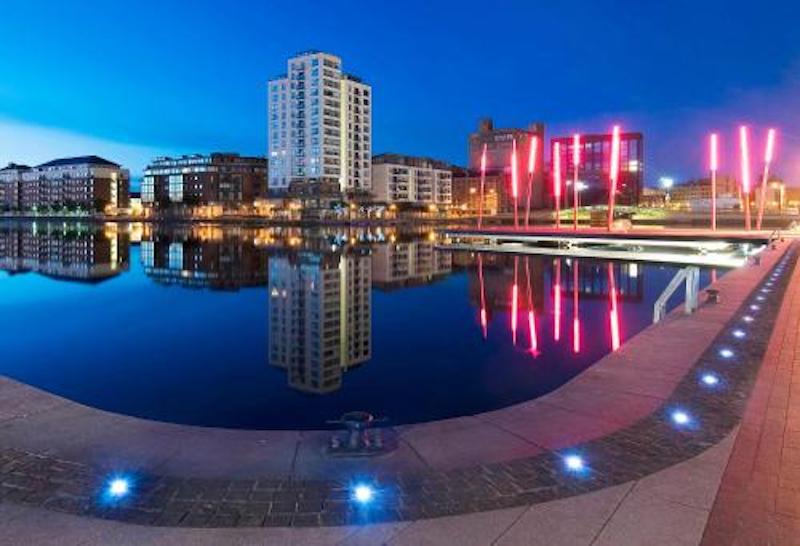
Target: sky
[132, 80]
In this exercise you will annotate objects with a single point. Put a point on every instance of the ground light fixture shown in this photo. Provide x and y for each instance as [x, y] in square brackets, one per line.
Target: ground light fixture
[739, 334]
[363, 493]
[118, 487]
[574, 463]
[754, 307]
[680, 417]
[709, 379]
[747, 318]
[725, 353]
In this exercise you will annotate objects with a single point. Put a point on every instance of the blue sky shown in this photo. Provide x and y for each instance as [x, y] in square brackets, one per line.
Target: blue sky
[135, 79]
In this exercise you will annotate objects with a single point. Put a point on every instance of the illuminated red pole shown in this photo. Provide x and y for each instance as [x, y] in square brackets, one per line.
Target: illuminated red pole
[515, 181]
[483, 183]
[768, 155]
[613, 174]
[714, 164]
[576, 161]
[531, 313]
[557, 302]
[613, 313]
[557, 181]
[514, 305]
[484, 318]
[576, 321]
[531, 169]
[744, 151]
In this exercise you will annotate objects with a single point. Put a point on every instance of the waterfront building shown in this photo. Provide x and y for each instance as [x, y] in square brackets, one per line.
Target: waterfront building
[224, 179]
[696, 194]
[400, 264]
[594, 168]
[209, 257]
[319, 128]
[10, 186]
[64, 251]
[320, 316]
[466, 192]
[403, 179]
[499, 143]
[88, 182]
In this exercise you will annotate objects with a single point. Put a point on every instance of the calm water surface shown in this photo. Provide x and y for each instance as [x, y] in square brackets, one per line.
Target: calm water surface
[288, 329]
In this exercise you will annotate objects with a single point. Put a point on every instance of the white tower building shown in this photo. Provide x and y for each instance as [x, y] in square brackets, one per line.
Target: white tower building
[319, 125]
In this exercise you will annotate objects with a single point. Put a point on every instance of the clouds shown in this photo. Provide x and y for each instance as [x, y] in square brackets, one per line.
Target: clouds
[33, 144]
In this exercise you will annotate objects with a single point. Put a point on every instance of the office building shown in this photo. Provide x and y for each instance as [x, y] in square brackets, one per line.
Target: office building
[411, 180]
[467, 192]
[225, 179]
[319, 128]
[595, 168]
[499, 144]
[88, 183]
[320, 316]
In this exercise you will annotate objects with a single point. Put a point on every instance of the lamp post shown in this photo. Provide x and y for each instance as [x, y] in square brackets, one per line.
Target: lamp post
[576, 160]
[714, 165]
[483, 184]
[613, 174]
[534, 143]
[768, 155]
[557, 181]
[744, 153]
[515, 182]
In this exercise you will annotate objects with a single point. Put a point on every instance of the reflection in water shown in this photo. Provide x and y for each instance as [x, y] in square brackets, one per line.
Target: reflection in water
[320, 316]
[217, 259]
[367, 319]
[64, 251]
[588, 279]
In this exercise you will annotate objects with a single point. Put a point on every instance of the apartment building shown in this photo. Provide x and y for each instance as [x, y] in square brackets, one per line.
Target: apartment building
[225, 179]
[413, 180]
[319, 127]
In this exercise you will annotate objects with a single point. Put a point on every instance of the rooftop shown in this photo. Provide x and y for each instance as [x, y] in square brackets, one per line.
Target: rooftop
[80, 160]
[410, 161]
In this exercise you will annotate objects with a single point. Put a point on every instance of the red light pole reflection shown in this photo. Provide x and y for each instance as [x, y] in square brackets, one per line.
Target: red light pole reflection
[484, 320]
[576, 320]
[557, 302]
[531, 313]
[514, 304]
[613, 313]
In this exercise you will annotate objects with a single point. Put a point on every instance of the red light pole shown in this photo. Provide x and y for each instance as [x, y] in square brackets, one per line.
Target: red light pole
[768, 154]
[557, 181]
[531, 169]
[613, 174]
[515, 182]
[714, 164]
[576, 161]
[483, 183]
[744, 151]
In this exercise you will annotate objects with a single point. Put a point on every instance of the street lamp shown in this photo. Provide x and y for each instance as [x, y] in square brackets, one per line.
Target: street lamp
[666, 184]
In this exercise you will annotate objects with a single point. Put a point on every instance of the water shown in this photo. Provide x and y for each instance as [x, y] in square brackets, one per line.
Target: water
[288, 329]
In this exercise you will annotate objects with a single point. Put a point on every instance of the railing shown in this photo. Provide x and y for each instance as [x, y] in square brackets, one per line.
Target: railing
[691, 277]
